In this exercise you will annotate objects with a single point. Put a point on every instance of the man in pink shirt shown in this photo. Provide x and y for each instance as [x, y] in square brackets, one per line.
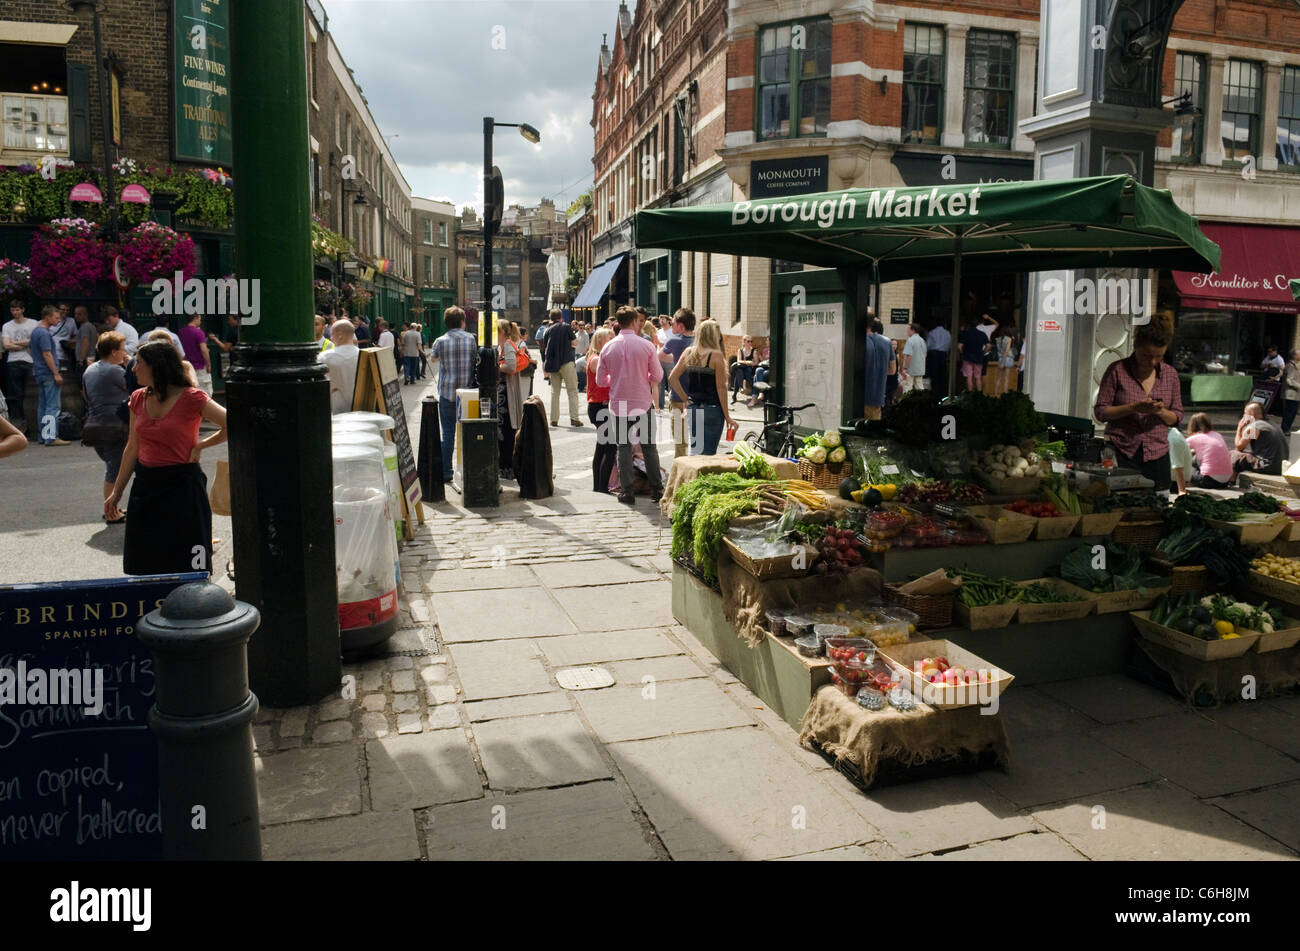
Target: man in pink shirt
[629, 366]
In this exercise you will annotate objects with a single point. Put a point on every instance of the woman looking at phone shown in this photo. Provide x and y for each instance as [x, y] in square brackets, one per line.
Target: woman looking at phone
[1138, 400]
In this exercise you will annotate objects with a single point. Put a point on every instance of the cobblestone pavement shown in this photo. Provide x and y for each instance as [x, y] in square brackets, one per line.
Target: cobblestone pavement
[462, 744]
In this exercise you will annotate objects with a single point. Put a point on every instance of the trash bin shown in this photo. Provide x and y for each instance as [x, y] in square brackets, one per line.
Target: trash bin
[365, 549]
[367, 437]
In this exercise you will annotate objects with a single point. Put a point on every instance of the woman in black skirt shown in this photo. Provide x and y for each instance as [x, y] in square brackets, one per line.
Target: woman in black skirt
[168, 520]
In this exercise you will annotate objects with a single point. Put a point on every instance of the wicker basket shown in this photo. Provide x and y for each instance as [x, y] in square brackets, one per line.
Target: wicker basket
[1145, 535]
[828, 475]
[783, 566]
[933, 610]
[1183, 578]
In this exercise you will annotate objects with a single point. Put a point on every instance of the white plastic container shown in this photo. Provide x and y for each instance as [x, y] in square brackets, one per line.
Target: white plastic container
[366, 556]
[381, 421]
[373, 440]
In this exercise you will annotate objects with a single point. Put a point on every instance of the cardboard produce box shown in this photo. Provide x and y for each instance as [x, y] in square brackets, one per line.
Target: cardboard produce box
[1060, 610]
[1191, 646]
[948, 696]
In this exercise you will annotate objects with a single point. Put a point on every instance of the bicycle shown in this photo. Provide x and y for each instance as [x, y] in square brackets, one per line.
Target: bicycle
[777, 436]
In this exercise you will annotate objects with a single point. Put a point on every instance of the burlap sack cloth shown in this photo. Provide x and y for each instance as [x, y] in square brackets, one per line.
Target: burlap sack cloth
[848, 731]
[745, 599]
[1274, 671]
[686, 468]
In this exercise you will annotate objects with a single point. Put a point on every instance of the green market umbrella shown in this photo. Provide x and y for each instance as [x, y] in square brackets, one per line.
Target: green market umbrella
[899, 233]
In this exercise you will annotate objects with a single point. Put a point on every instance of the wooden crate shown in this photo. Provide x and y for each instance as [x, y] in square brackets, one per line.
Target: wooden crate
[1191, 646]
[1290, 532]
[1288, 635]
[1059, 611]
[949, 696]
[781, 566]
[1062, 526]
[1000, 525]
[1274, 588]
[1115, 602]
[1019, 485]
[981, 619]
[1252, 533]
[1098, 523]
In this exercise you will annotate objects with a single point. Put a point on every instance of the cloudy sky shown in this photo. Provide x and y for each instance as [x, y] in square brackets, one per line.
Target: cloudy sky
[430, 72]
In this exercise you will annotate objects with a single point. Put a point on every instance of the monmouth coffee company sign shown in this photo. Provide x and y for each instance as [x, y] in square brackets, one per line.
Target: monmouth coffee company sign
[772, 178]
[201, 81]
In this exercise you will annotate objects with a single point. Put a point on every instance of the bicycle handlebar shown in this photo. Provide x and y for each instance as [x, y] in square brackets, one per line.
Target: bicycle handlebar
[792, 409]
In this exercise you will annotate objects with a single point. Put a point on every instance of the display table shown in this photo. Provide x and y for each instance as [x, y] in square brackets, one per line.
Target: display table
[866, 739]
[1220, 388]
[686, 468]
[1224, 681]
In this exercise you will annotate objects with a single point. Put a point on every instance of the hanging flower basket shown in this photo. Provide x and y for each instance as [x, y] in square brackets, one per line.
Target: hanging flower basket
[327, 297]
[151, 251]
[356, 297]
[14, 277]
[68, 257]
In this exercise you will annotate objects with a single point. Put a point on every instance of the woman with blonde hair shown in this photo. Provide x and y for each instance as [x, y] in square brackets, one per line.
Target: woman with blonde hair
[510, 395]
[602, 463]
[700, 380]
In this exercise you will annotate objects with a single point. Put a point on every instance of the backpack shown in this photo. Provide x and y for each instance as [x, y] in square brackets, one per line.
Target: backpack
[69, 426]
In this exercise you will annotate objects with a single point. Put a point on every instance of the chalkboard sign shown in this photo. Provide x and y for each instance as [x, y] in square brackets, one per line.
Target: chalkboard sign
[379, 390]
[78, 763]
[1265, 392]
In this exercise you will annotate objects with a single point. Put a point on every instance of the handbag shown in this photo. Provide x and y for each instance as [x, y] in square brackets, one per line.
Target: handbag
[104, 432]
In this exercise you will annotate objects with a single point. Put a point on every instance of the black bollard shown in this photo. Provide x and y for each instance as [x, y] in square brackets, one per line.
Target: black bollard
[203, 720]
[430, 461]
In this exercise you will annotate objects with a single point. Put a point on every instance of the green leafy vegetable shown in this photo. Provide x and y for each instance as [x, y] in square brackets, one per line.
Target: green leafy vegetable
[1122, 571]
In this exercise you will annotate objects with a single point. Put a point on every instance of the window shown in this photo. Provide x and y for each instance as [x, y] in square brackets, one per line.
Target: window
[1239, 126]
[1288, 118]
[428, 269]
[311, 69]
[33, 98]
[428, 231]
[442, 270]
[923, 67]
[794, 81]
[442, 233]
[1189, 130]
[990, 79]
[36, 123]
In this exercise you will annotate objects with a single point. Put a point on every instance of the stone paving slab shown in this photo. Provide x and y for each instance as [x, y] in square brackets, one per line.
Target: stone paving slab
[508, 576]
[1113, 698]
[937, 814]
[411, 771]
[1053, 768]
[575, 649]
[620, 607]
[528, 705]
[683, 706]
[1028, 712]
[369, 837]
[590, 822]
[1261, 721]
[734, 794]
[484, 616]
[1157, 822]
[1275, 812]
[531, 752]
[1031, 847]
[313, 783]
[679, 667]
[867, 852]
[1200, 755]
[562, 574]
[499, 669]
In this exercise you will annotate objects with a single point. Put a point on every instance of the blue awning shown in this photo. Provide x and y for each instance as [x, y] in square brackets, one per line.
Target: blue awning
[594, 289]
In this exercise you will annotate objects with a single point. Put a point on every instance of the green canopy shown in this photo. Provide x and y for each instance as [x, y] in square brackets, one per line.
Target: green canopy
[1295, 288]
[1110, 221]
[899, 233]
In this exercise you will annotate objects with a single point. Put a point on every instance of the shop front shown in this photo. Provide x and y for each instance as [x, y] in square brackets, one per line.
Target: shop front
[1226, 321]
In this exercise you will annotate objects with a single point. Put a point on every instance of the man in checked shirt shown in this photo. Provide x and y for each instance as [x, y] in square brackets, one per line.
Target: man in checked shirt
[1138, 400]
[455, 353]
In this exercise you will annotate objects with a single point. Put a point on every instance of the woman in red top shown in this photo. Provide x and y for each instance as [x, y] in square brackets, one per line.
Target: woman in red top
[168, 522]
[602, 464]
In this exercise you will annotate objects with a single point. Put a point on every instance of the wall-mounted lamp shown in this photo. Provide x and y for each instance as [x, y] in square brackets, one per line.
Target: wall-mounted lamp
[884, 84]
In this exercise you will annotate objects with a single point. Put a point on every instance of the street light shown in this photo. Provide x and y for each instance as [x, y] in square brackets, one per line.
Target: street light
[80, 7]
[531, 134]
[359, 202]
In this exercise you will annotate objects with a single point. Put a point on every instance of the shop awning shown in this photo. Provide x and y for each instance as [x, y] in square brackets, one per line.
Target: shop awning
[594, 288]
[1109, 221]
[1295, 288]
[1254, 275]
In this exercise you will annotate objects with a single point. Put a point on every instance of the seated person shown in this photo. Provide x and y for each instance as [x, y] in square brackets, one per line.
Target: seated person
[1259, 444]
[1212, 463]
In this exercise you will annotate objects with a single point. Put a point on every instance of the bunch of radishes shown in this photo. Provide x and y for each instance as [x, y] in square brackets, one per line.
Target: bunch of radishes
[840, 548]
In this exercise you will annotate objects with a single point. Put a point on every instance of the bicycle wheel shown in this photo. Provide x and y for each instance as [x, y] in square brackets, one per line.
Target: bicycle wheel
[754, 439]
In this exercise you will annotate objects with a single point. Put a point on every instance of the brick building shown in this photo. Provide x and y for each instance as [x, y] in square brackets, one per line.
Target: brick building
[433, 233]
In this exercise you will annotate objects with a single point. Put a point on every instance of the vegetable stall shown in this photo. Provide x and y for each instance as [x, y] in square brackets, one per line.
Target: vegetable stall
[883, 602]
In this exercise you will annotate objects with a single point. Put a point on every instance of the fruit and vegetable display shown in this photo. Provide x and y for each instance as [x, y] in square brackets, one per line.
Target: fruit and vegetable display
[840, 548]
[1140, 499]
[1009, 462]
[704, 508]
[1275, 566]
[869, 495]
[1059, 492]
[1035, 509]
[937, 670]
[882, 626]
[1214, 617]
[820, 448]
[941, 490]
[981, 591]
[1116, 568]
[752, 463]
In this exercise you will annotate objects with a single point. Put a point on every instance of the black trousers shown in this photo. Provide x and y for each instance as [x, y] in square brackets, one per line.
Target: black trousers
[1157, 470]
[168, 521]
[606, 455]
[936, 365]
